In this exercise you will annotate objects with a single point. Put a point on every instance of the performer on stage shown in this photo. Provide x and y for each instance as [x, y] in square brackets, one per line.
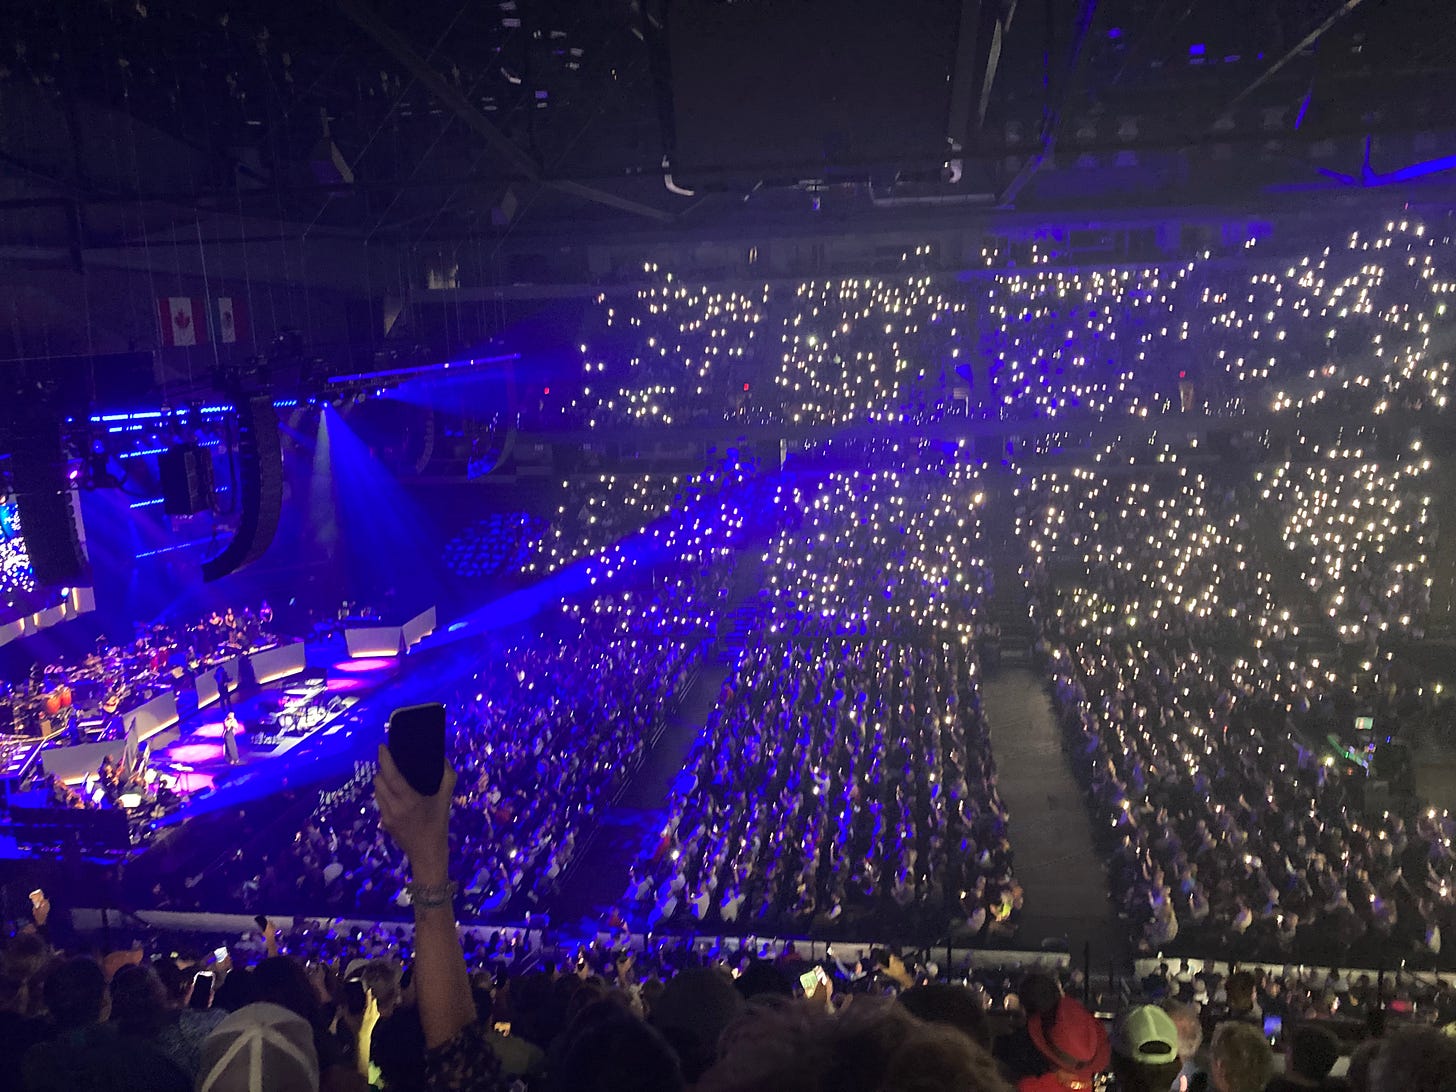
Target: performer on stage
[224, 687]
[129, 763]
[230, 728]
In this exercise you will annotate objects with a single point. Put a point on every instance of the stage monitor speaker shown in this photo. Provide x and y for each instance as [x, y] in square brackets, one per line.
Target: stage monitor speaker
[260, 454]
[802, 89]
[186, 472]
[46, 504]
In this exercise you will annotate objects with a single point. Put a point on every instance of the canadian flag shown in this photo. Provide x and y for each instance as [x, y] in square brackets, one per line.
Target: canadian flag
[232, 319]
[183, 320]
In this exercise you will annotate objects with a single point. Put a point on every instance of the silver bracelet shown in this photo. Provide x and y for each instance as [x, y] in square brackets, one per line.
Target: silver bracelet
[425, 896]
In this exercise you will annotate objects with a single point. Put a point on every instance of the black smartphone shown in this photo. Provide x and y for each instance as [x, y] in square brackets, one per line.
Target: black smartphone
[354, 996]
[416, 738]
[202, 983]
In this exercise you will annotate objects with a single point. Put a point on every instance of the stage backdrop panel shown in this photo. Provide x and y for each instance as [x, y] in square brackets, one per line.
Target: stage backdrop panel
[72, 764]
[369, 641]
[419, 627]
[273, 664]
[156, 715]
[207, 682]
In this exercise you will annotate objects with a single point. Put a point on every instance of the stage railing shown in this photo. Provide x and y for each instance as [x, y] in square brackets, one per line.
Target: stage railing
[182, 921]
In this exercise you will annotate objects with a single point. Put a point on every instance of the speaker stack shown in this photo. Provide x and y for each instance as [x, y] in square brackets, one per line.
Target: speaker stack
[46, 503]
[260, 457]
[186, 473]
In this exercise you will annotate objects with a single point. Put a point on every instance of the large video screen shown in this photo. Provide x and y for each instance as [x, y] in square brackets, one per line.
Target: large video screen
[19, 593]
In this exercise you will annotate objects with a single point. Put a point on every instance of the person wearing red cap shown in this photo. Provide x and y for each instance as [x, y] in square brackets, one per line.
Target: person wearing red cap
[1074, 1042]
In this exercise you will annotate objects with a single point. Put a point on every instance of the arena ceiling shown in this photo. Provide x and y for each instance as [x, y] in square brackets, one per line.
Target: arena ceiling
[407, 121]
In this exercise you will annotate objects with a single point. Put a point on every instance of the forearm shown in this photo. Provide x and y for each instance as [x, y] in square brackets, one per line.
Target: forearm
[363, 1047]
[442, 983]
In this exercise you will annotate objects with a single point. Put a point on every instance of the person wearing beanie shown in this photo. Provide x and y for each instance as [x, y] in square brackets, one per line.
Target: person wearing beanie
[262, 1047]
[1145, 1050]
[1310, 1052]
[1073, 1042]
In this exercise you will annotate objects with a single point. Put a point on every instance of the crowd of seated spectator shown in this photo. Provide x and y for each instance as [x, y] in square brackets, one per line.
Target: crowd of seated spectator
[1346, 328]
[497, 544]
[1362, 531]
[599, 515]
[847, 770]
[551, 725]
[1196, 714]
[551, 730]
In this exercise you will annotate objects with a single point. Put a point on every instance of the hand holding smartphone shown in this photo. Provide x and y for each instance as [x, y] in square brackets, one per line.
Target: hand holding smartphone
[202, 984]
[356, 997]
[416, 739]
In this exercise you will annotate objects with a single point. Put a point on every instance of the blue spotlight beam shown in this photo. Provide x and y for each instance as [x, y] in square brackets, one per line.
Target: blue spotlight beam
[424, 369]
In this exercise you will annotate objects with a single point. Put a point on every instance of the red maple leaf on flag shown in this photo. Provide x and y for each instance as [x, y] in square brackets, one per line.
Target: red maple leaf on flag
[182, 319]
[227, 319]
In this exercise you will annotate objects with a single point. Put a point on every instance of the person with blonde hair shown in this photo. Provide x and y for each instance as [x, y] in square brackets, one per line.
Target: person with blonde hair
[1241, 1058]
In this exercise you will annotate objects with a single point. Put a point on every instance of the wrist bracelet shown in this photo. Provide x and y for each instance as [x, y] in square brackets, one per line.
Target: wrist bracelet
[424, 896]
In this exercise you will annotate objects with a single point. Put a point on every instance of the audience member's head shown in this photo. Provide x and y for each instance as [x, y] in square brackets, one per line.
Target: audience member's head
[260, 1047]
[951, 1006]
[1357, 1075]
[24, 956]
[1145, 1050]
[1190, 1027]
[1039, 993]
[1071, 1039]
[1414, 1060]
[284, 981]
[1311, 1052]
[696, 1007]
[1240, 1058]
[1240, 992]
[176, 982]
[763, 976]
[138, 1000]
[871, 1045]
[75, 993]
[381, 978]
[616, 1052]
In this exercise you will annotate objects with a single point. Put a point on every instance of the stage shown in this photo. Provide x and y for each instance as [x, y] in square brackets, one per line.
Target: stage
[275, 720]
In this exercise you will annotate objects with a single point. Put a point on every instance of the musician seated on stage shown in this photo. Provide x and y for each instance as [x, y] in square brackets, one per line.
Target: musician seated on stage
[116, 677]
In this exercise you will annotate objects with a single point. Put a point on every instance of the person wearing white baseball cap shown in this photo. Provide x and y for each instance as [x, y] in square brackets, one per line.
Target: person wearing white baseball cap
[260, 1048]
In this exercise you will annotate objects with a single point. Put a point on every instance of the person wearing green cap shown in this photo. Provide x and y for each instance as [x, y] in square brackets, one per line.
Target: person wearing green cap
[1145, 1050]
